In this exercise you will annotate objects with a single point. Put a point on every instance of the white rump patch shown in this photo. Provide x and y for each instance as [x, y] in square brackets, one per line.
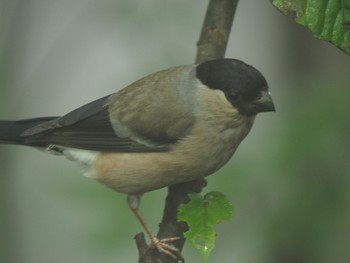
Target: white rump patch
[84, 158]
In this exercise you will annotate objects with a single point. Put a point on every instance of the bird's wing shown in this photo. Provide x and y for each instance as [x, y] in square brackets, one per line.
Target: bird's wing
[136, 119]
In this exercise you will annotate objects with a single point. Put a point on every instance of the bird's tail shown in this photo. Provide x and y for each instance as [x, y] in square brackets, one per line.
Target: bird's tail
[11, 131]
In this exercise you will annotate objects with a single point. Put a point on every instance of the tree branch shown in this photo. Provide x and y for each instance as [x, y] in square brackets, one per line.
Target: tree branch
[216, 30]
[211, 45]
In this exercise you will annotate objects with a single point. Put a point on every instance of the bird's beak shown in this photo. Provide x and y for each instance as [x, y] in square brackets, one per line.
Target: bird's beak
[264, 103]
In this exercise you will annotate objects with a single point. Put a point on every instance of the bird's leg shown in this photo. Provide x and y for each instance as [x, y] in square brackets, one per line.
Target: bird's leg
[162, 245]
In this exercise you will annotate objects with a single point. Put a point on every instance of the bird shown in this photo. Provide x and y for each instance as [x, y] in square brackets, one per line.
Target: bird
[172, 126]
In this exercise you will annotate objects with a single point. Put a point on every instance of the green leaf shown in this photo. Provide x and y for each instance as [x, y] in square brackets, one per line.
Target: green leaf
[328, 19]
[201, 214]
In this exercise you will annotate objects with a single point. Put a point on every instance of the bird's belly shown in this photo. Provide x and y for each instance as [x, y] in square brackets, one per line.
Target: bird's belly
[135, 173]
[142, 172]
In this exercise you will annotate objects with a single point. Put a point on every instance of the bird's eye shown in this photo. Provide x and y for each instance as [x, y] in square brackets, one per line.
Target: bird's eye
[233, 95]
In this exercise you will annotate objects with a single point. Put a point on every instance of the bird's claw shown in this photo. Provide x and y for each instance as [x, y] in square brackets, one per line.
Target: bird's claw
[163, 246]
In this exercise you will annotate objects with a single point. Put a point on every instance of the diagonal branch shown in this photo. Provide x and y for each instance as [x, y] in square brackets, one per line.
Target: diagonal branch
[211, 45]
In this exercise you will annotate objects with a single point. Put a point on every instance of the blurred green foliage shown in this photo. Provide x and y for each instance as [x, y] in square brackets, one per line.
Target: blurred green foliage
[311, 220]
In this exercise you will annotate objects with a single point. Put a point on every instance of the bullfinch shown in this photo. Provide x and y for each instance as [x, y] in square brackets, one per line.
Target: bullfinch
[173, 126]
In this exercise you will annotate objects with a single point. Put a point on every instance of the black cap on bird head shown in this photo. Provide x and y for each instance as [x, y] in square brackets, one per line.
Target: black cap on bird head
[244, 86]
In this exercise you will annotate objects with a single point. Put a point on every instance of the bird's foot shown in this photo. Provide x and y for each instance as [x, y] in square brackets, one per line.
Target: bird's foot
[163, 246]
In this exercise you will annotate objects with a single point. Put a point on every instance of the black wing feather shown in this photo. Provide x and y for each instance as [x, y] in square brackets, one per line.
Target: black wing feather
[87, 127]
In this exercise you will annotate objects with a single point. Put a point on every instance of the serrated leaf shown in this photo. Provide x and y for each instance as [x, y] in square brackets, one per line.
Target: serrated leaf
[328, 19]
[201, 214]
